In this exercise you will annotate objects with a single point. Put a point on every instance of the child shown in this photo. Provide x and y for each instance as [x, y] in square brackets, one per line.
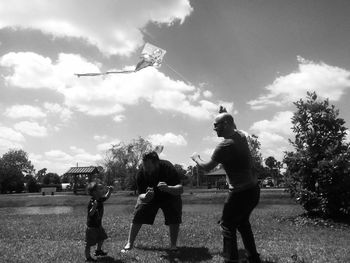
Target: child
[95, 234]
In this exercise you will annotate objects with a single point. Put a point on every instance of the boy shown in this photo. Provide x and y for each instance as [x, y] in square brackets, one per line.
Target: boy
[95, 234]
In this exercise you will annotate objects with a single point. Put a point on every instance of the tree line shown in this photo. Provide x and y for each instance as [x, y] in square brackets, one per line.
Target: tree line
[317, 171]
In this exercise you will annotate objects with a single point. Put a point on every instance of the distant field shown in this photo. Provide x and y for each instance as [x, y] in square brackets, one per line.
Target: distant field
[281, 234]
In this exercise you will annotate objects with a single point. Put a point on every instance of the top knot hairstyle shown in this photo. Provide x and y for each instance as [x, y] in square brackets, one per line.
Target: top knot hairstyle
[222, 109]
[152, 156]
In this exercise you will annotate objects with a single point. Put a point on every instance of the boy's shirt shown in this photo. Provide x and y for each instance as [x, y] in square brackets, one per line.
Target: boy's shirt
[95, 220]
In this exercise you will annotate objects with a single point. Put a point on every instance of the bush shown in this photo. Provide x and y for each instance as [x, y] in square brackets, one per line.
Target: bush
[318, 172]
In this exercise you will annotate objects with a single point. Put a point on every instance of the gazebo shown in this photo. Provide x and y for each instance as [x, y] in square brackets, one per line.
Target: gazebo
[217, 178]
[82, 176]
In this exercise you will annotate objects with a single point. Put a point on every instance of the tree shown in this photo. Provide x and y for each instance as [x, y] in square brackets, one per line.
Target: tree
[14, 165]
[274, 167]
[318, 170]
[122, 161]
[257, 160]
[51, 178]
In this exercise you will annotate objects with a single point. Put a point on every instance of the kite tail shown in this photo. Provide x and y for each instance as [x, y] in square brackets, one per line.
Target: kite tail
[102, 73]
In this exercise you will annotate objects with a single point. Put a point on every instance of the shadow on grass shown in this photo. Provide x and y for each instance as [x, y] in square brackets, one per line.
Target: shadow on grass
[109, 259]
[192, 254]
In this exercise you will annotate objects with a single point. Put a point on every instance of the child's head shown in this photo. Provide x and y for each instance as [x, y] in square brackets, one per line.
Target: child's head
[95, 189]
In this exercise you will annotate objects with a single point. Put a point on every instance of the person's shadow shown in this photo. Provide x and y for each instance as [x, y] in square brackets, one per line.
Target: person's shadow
[108, 259]
[192, 254]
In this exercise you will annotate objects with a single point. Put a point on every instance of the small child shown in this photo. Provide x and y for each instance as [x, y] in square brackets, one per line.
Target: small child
[95, 234]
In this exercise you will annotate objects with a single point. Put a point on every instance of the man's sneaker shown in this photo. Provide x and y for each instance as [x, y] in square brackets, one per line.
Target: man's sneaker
[100, 253]
[90, 259]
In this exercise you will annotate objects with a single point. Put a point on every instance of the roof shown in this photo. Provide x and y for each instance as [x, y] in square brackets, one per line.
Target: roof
[220, 172]
[83, 170]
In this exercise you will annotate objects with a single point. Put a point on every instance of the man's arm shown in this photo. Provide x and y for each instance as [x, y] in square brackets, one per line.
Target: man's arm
[109, 192]
[207, 166]
[171, 189]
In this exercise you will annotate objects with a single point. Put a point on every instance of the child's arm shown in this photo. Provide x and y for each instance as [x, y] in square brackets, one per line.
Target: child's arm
[93, 208]
[109, 192]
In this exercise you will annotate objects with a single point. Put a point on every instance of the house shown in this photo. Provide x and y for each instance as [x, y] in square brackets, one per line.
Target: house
[217, 179]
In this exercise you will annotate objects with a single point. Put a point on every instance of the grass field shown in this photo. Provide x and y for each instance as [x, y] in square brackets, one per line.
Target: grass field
[36, 228]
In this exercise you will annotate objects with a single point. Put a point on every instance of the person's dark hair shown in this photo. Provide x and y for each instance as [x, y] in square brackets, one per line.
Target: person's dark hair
[222, 109]
[152, 156]
[91, 187]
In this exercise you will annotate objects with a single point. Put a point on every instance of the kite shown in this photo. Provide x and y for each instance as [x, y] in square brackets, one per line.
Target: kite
[151, 56]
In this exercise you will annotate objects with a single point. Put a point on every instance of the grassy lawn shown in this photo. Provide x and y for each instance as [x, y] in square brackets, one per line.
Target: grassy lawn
[282, 235]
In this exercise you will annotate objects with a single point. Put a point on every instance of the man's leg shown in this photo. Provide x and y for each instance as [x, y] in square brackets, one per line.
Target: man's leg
[248, 240]
[134, 230]
[174, 233]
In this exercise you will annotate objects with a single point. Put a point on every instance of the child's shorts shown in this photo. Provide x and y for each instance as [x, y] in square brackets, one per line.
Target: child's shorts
[95, 235]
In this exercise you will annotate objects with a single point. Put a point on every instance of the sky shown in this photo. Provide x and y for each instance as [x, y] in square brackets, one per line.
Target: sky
[254, 57]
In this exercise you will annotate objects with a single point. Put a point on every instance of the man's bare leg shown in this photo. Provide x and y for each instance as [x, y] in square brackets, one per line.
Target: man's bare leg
[134, 230]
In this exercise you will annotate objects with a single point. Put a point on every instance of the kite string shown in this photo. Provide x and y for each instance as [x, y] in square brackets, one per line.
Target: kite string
[171, 68]
[177, 73]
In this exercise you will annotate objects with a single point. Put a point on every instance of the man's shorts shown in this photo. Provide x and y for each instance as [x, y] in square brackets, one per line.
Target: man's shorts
[146, 213]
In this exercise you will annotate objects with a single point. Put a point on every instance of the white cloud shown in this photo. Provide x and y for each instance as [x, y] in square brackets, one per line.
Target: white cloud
[119, 118]
[59, 161]
[31, 128]
[9, 139]
[110, 95]
[207, 94]
[24, 111]
[167, 139]
[112, 26]
[64, 113]
[100, 137]
[102, 147]
[274, 134]
[327, 81]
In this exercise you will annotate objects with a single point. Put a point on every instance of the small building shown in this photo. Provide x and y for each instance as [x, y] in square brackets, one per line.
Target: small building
[81, 176]
[217, 179]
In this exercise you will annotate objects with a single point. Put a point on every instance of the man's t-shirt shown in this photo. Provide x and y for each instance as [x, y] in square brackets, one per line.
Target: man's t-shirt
[166, 173]
[234, 154]
[95, 220]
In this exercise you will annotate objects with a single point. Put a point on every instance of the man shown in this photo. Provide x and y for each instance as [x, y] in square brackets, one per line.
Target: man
[159, 186]
[244, 193]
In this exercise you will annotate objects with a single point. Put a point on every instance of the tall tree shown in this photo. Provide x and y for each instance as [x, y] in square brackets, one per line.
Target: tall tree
[254, 147]
[122, 161]
[318, 169]
[14, 165]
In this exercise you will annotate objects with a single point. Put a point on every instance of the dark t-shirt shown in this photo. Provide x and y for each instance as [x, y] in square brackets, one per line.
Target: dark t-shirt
[234, 154]
[95, 220]
[166, 173]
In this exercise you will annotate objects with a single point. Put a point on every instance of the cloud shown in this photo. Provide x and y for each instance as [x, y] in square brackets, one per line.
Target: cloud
[24, 111]
[327, 81]
[59, 161]
[103, 147]
[119, 118]
[109, 95]
[10, 139]
[64, 113]
[112, 26]
[167, 139]
[274, 134]
[31, 128]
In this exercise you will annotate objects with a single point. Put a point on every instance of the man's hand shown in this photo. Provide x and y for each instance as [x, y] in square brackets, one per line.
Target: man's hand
[163, 187]
[195, 157]
[110, 188]
[148, 195]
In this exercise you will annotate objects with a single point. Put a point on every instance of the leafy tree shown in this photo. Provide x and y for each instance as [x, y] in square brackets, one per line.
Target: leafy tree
[40, 175]
[31, 184]
[318, 169]
[254, 147]
[122, 161]
[274, 168]
[51, 178]
[14, 165]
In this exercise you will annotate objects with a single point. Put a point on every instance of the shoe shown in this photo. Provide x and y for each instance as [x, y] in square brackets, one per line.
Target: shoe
[126, 248]
[90, 259]
[100, 253]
